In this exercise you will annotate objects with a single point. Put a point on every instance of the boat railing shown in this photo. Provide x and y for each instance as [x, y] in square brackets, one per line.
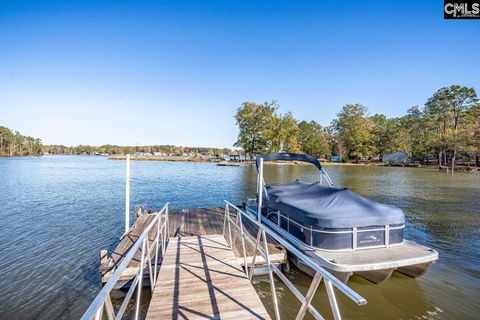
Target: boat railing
[261, 241]
[151, 254]
[324, 175]
[309, 232]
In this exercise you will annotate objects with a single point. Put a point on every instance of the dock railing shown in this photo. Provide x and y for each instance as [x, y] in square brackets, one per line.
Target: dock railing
[103, 301]
[320, 273]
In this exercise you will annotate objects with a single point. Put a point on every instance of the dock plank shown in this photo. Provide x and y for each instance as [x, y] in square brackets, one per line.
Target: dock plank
[124, 246]
[190, 222]
[211, 220]
[200, 278]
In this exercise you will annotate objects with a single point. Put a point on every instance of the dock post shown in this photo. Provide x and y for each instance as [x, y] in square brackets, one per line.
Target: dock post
[127, 194]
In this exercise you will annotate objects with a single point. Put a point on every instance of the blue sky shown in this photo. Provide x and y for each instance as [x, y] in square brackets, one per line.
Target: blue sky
[97, 72]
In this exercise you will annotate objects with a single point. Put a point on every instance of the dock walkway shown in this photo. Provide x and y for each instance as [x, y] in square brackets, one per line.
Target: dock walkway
[201, 278]
[187, 222]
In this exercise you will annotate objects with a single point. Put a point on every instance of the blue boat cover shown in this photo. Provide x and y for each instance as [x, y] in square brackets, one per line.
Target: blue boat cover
[284, 156]
[323, 207]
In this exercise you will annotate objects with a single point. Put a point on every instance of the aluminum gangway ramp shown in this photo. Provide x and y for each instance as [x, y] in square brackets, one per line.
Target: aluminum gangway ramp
[200, 278]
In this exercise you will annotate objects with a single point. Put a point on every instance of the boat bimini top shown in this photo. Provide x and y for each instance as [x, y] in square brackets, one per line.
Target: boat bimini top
[324, 216]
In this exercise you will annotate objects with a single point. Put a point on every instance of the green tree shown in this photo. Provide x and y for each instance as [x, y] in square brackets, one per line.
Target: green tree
[6, 139]
[284, 133]
[415, 136]
[255, 122]
[472, 133]
[436, 121]
[461, 100]
[313, 140]
[446, 113]
[12, 143]
[334, 144]
[353, 130]
[274, 133]
[386, 135]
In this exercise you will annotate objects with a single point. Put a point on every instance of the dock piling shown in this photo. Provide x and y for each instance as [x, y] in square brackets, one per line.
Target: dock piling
[127, 194]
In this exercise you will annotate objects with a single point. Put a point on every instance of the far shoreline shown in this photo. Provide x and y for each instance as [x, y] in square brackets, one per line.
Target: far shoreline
[229, 163]
[252, 162]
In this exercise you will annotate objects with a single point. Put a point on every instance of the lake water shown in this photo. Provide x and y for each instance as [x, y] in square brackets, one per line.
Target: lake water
[57, 212]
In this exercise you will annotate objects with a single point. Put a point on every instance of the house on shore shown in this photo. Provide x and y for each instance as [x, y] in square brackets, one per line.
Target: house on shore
[395, 159]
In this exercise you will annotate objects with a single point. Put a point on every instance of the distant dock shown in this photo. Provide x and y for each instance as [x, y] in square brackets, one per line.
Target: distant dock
[229, 164]
[170, 159]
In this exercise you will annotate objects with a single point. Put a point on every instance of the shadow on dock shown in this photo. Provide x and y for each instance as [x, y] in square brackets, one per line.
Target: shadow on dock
[185, 223]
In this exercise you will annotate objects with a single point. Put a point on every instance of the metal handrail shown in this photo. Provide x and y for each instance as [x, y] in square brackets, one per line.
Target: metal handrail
[329, 279]
[103, 301]
[353, 231]
[382, 228]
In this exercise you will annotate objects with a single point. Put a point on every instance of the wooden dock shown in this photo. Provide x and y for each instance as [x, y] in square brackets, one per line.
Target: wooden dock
[108, 264]
[186, 222]
[200, 278]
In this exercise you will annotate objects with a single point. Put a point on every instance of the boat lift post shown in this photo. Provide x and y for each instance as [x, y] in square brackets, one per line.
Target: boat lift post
[324, 173]
[260, 190]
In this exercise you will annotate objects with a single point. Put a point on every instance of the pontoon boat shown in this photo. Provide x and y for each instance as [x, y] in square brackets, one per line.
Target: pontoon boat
[343, 231]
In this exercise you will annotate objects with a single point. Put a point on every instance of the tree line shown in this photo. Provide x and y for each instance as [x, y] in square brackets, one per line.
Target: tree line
[446, 127]
[116, 149]
[12, 143]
